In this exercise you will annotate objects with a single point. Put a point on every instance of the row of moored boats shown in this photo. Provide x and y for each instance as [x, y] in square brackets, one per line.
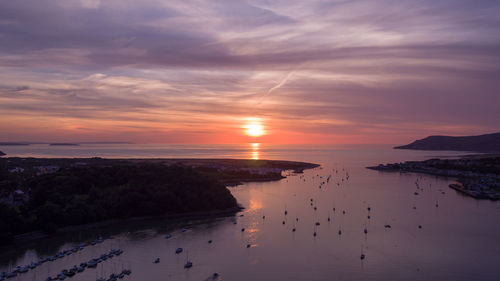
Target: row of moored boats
[90, 264]
[114, 276]
[23, 269]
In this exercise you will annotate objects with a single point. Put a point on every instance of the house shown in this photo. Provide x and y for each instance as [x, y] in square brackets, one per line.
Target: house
[42, 170]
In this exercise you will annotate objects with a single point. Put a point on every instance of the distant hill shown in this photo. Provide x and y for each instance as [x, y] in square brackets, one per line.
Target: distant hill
[482, 143]
[2, 154]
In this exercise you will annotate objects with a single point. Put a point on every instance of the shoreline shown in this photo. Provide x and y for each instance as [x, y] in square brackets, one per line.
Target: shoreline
[25, 237]
[476, 176]
[228, 172]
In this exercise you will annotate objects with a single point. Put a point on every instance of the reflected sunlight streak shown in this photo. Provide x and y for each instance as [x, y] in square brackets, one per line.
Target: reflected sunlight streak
[255, 151]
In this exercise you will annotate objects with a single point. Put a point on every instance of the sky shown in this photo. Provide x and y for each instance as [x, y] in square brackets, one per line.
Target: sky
[182, 71]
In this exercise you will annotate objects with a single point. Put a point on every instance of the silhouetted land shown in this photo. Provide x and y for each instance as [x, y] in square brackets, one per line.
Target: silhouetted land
[482, 143]
[39, 194]
[14, 143]
[2, 154]
[477, 176]
[64, 144]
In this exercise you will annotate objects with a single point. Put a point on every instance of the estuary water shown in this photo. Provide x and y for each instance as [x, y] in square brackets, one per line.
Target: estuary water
[435, 233]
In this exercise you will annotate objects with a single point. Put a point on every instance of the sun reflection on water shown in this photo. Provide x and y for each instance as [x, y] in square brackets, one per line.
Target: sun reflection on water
[254, 205]
[255, 150]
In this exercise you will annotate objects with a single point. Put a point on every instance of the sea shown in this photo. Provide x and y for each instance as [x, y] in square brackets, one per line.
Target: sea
[435, 232]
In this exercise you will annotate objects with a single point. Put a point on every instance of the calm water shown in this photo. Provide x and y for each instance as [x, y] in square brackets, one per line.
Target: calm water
[459, 240]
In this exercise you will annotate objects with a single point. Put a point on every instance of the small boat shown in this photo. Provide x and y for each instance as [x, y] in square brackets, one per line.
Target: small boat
[209, 241]
[317, 223]
[387, 226]
[178, 250]
[188, 264]
[248, 245]
[157, 260]
[168, 236]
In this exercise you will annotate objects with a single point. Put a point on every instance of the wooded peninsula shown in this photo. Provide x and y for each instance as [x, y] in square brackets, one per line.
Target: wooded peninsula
[38, 194]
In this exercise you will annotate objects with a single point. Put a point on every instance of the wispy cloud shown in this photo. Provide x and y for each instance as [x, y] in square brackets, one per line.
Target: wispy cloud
[194, 70]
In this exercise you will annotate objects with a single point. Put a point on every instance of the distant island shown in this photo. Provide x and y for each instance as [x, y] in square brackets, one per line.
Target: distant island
[13, 143]
[2, 154]
[481, 143]
[16, 143]
[44, 195]
[105, 142]
[477, 176]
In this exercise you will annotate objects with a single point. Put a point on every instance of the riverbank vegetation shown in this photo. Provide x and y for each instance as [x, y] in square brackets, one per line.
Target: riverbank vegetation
[81, 195]
[46, 194]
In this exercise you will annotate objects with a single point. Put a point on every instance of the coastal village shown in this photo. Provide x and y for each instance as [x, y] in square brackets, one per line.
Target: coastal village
[476, 176]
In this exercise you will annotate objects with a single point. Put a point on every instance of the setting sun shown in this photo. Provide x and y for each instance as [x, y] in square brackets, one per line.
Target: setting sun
[254, 130]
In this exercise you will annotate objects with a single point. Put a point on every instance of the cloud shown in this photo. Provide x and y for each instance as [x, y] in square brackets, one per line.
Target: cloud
[324, 67]
[91, 4]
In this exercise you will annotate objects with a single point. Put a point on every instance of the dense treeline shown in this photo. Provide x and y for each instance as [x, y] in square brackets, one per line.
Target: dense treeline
[80, 195]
